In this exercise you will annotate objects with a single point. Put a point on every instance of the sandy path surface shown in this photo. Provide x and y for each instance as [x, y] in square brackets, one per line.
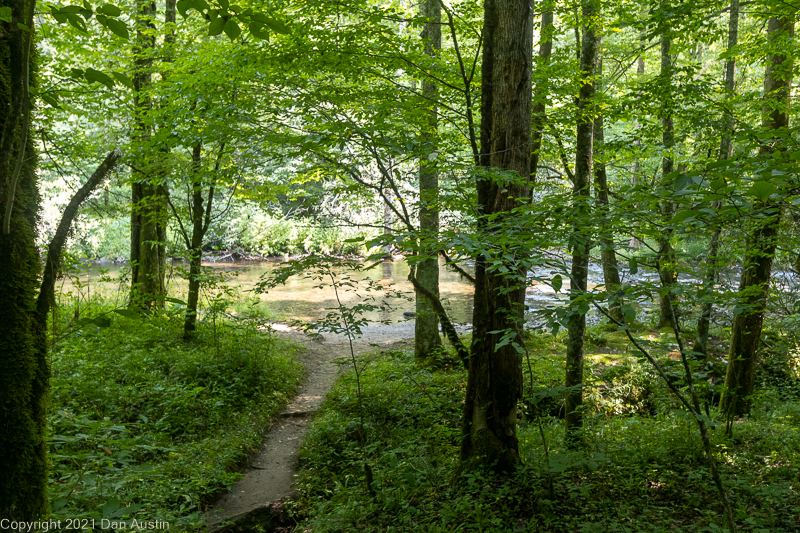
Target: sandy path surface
[270, 478]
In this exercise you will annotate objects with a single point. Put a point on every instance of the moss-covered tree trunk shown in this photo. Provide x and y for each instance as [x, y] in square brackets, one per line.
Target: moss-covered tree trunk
[24, 372]
[666, 253]
[757, 270]
[582, 228]
[148, 194]
[494, 383]
[426, 326]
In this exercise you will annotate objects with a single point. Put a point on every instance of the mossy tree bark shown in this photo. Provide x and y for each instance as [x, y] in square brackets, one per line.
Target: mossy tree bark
[581, 237]
[757, 270]
[426, 326]
[148, 194]
[494, 383]
[666, 253]
[25, 372]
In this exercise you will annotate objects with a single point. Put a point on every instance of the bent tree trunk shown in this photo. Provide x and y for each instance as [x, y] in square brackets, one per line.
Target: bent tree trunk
[494, 383]
[581, 232]
[757, 271]
[426, 325]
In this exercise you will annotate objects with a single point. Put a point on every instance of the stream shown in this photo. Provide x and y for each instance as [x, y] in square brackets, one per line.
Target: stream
[306, 299]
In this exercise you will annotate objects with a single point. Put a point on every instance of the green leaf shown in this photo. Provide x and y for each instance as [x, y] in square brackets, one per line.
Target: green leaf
[557, 282]
[118, 28]
[184, 6]
[110, 10]
[76, 21]
[274, 25]
[633, 266]
[685, 215]
[128, 313]
[277, 26]
[259, 30]
[224, 4]
[110, 506]
[93, 75]
[123, 79]
[50, 99]
[216, 26]
[5, 14]
[232, 29]
[763, 190]
[175, 301]
[102, 322]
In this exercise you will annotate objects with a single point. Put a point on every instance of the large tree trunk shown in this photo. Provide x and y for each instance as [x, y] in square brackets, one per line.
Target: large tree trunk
[426, 326]
[148, 201]
[757, 270]
[666, 253]
[494, 383]
[725, 149]
[582, 229]
[23, 349]
[608, 256]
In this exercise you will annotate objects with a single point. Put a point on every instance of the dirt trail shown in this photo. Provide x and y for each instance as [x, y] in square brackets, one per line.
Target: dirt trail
[258, 496]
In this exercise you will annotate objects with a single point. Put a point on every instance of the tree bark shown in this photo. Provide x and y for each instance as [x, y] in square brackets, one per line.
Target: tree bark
[47, 291]
[200, 210]
[608, 256]
[666, 253]
[757, 270]
[23, 351]
[494, 383]
[725, 149]
[582, 229]
[148, 201]
[426, 325]
[539, 98]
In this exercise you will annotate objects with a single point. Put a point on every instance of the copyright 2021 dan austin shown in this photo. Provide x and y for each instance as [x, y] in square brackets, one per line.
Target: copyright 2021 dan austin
[82, 524]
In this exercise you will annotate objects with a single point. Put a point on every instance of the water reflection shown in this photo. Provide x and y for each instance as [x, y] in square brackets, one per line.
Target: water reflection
[310, 299]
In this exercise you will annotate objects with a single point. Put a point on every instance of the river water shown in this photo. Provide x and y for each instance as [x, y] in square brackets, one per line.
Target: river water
[306, 299]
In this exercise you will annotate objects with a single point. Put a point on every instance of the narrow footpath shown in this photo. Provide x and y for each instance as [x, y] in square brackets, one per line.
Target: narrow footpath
[257, 498]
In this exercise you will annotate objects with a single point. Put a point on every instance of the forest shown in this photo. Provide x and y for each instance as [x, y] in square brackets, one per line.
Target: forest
[577, 220]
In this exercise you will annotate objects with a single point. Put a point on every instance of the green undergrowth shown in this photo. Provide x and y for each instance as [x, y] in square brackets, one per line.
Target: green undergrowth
[641, 466]
[145, 425]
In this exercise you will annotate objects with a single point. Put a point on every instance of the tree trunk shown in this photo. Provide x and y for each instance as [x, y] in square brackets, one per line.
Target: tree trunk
[494, 383]
[196, 244]
[757, 270]
[426, 326]
[725, 149]
[538, 113]
[634, 242]
[607, 254]
[582, 231]
[23, 350]
[666, 253]
[148, 201]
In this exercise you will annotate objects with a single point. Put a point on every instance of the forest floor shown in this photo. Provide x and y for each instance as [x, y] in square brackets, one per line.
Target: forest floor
[270, 477]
